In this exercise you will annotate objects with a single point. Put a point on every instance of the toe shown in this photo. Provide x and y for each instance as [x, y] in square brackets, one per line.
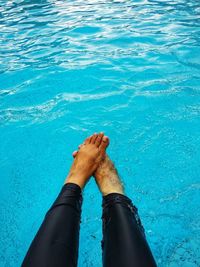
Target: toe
[104, 143]
[93, 139]
[99, 139]
[74, 154]
[87, 140]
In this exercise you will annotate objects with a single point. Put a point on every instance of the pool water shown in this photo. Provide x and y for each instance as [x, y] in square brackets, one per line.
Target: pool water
[128, 68]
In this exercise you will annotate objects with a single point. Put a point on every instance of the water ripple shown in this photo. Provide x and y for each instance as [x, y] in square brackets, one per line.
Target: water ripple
[53, 32]
[130, 68]
[42, 112]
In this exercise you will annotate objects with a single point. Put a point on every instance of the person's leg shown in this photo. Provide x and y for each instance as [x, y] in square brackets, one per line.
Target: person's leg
[56, 243]
[124, 243]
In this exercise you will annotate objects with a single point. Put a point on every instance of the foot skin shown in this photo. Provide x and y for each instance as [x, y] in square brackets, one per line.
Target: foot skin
[106, 176]
[87, 159]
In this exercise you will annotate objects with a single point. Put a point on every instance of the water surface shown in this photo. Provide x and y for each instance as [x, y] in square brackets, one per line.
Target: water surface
[129, 68]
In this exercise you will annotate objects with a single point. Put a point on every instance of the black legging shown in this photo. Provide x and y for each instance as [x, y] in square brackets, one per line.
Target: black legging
[57, 241]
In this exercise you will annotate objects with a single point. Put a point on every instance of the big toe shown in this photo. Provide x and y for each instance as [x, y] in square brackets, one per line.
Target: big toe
[104, 143]
[99, 139]
[93, 139]
[88, 140]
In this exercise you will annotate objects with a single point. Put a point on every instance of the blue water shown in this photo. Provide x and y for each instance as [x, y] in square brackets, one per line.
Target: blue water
[129, 68]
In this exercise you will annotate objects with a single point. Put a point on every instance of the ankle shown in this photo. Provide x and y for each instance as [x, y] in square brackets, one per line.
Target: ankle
[76, 179]
[113, 190]
[109, 184]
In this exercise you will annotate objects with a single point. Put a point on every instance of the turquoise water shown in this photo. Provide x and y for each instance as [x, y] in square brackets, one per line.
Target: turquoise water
[129, 68]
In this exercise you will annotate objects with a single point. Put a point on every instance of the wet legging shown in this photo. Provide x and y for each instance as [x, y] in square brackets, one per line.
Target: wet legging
[57, 241]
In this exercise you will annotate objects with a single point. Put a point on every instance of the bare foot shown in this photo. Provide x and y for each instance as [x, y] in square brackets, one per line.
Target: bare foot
[107, 178]
[87, 159]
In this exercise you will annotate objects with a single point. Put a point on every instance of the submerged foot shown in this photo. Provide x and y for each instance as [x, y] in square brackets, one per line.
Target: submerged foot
[87, 159]
[107, 178]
